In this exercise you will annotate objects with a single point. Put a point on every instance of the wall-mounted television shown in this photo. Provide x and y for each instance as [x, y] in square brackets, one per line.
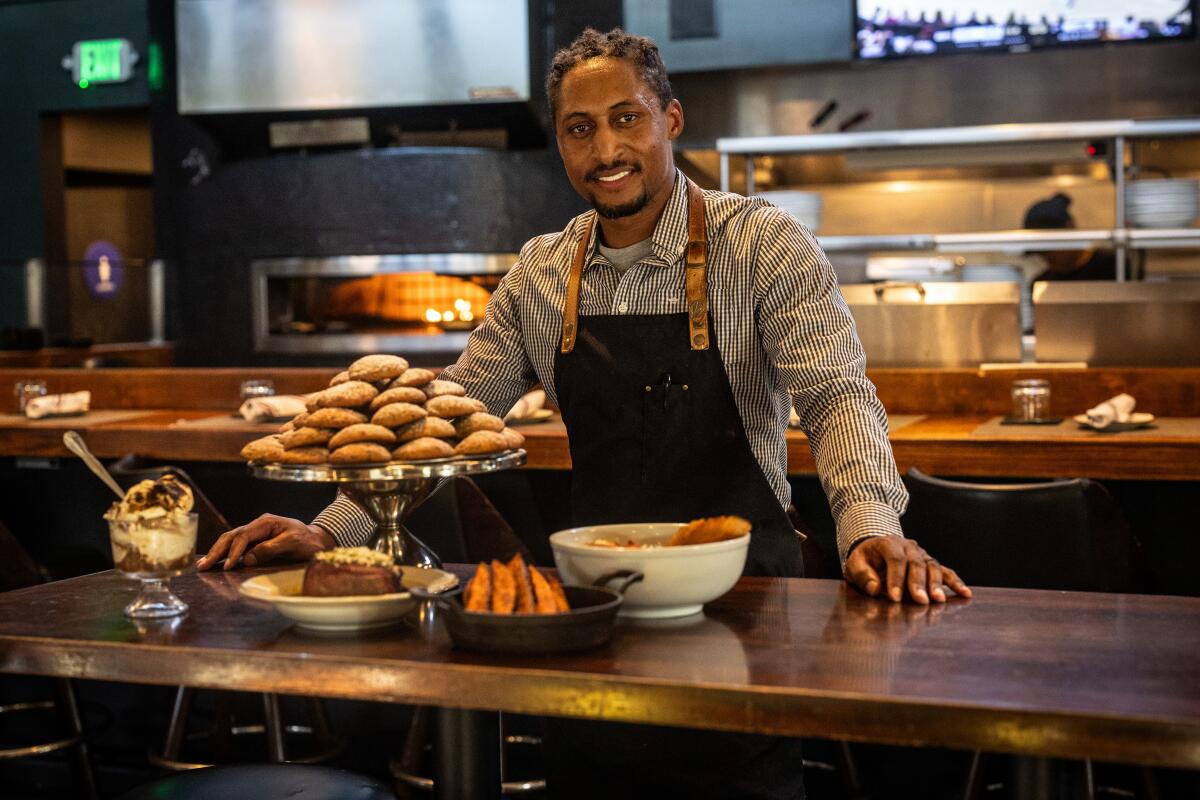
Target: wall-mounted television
[899, 29]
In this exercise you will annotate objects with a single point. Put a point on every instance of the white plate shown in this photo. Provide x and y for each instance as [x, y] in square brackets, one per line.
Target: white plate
[342, 614]
[1137, 419]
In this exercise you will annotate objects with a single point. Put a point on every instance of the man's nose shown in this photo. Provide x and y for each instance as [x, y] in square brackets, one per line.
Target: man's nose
[608, 145]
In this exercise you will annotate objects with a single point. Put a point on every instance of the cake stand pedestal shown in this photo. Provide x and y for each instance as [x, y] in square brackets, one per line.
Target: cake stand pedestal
[390, 492]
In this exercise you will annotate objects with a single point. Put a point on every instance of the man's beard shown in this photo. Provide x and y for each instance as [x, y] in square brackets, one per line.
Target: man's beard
[623, 210]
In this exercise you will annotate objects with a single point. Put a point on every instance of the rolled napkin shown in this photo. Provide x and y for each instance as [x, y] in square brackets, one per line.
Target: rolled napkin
[277, 406]
[58, 405]
[529, 404]
[1114, 409]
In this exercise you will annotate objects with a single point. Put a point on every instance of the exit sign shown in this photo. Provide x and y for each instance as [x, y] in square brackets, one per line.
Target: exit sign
[96, 61]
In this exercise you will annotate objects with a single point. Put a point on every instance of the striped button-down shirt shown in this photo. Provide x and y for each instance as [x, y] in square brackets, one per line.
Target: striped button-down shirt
[782, 327]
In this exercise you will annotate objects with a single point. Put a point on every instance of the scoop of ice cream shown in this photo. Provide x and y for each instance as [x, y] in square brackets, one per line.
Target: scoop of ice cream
[151, 499]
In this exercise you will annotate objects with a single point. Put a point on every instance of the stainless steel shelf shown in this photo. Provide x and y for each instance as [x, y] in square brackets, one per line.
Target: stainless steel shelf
[441, 263]
[1017, 241]
[948, 137]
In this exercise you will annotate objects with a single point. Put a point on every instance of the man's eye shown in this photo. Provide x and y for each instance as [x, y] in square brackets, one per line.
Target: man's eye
[578, 130]
[627, 118]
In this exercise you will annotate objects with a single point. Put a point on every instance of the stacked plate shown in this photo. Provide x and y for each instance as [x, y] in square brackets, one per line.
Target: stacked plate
[804, 206]
[1162, 203]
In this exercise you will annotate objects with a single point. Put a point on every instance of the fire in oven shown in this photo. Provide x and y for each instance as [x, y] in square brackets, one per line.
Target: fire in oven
[408, 303]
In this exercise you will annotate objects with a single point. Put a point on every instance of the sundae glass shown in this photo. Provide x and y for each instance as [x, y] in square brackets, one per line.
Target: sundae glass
[153, 534]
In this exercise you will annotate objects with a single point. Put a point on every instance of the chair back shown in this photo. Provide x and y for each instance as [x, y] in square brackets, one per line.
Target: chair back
[1061, 534]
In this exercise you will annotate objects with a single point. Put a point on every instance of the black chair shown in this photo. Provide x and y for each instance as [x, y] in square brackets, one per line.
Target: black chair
[1063, 534]
[18, 571]
[263, 782]
[230, 712]
[1066, 534]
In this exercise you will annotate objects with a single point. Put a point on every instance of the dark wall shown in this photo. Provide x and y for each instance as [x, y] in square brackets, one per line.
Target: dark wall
[34, 37]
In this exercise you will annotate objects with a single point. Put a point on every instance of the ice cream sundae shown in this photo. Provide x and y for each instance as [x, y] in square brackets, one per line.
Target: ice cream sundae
[152, 529]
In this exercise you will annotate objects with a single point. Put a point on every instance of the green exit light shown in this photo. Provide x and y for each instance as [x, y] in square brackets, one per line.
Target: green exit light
[96, 61]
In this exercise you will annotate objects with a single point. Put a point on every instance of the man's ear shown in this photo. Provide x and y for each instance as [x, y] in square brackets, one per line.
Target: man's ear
[674, 112]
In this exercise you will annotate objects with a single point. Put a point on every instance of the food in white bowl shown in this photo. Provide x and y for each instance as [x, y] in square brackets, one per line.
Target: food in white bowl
[679, 579]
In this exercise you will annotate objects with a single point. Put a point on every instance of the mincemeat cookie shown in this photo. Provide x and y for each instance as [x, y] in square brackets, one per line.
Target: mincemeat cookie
[448, 406]
[414, 376]
[265, 449]
[345, 395]
[305, 455]
[438, 388]
[360, 453]
[305, 437]
[433, 427]
[300, 420]
[423, 449]
[377, 368]
[482, 442]
[393, 415]
[341, 377]
[290, 425]
[515, 438]
[479, 421]
[400, 394]
[334, 418]
[363, 432]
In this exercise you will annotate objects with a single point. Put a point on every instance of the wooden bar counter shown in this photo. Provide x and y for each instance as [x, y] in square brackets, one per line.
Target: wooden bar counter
[944, 421]
[1112, 677]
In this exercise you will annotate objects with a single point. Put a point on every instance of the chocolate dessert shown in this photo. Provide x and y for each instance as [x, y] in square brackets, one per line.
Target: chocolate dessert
[347, 571]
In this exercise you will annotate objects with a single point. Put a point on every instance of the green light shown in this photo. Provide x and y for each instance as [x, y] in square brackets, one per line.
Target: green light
[83, 84]
[100, 60]
[154, 69]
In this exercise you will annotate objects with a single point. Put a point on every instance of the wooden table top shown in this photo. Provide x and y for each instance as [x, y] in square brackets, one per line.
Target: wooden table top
[1114, 677]
[939, 444]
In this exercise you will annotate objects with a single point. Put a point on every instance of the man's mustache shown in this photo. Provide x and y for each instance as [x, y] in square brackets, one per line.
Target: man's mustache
[595, 174]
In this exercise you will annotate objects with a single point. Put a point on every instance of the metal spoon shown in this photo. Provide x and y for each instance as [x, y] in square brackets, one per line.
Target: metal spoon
[74, 443]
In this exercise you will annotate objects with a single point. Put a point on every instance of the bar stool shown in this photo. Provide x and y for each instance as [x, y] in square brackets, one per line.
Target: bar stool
[17, 571]
[225, 723]
[1064, 534]
[460, 523]
[263, 782]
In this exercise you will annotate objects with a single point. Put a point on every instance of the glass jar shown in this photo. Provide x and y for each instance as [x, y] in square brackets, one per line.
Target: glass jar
[27, 390]
[1031, 400]
[258, 388]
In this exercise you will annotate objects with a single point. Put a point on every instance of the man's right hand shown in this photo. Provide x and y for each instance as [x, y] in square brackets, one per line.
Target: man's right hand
[268, 538]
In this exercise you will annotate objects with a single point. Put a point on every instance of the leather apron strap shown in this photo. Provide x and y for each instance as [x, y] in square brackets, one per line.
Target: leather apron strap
[695, 277]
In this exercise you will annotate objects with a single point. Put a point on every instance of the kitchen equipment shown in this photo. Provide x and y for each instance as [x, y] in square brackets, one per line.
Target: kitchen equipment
[936, 324]
[588, 624]
[1162, 202]
[804, 206]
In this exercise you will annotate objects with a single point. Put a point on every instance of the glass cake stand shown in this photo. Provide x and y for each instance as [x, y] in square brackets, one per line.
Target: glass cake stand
[389, 493]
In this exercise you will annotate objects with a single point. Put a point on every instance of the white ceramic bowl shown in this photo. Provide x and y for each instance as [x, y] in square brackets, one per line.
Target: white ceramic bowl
[679, 580]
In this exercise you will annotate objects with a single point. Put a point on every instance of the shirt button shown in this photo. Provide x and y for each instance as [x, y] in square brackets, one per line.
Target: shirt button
[623, 307]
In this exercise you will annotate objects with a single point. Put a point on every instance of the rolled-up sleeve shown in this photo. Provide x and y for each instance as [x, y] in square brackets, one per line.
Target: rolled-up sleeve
[808, 335]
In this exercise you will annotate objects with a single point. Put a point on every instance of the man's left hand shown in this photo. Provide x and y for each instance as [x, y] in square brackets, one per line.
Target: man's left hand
[903, 567]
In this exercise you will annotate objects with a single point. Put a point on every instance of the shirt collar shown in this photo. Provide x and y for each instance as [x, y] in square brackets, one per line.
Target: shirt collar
[670, 234]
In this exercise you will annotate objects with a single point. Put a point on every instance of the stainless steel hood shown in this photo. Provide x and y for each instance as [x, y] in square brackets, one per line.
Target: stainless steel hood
[287, 55]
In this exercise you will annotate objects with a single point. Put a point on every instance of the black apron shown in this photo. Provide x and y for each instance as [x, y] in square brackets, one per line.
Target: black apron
[655, 436]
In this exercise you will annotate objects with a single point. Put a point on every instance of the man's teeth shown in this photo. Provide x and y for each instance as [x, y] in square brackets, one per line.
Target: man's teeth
[611, 178]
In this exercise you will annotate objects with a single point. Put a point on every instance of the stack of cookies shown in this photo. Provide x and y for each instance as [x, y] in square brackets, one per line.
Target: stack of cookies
[381, 410]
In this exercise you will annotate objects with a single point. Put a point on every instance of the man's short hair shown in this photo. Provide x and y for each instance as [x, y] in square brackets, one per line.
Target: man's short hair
[640, 50]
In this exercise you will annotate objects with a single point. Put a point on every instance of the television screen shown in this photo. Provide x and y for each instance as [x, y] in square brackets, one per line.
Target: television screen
[895, 29]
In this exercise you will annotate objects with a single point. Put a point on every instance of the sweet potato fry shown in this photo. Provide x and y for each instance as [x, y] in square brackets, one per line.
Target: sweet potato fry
[478, 596]
[544, 595]
[560, 597]
[520, 574]
[710, 529]
[504, 589]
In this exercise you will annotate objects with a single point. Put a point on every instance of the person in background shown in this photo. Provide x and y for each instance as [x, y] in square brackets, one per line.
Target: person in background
[1067, 265]
[674, 328]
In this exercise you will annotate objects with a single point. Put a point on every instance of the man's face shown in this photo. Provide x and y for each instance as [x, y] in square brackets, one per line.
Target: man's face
[614, 138]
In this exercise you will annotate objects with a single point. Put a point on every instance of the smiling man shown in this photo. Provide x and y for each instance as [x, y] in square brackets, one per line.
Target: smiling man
[674, 328]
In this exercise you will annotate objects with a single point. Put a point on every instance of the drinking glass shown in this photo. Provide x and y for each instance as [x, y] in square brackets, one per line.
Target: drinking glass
[1031, 399]
[153, 551]
[26, 390]
[257, 388]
